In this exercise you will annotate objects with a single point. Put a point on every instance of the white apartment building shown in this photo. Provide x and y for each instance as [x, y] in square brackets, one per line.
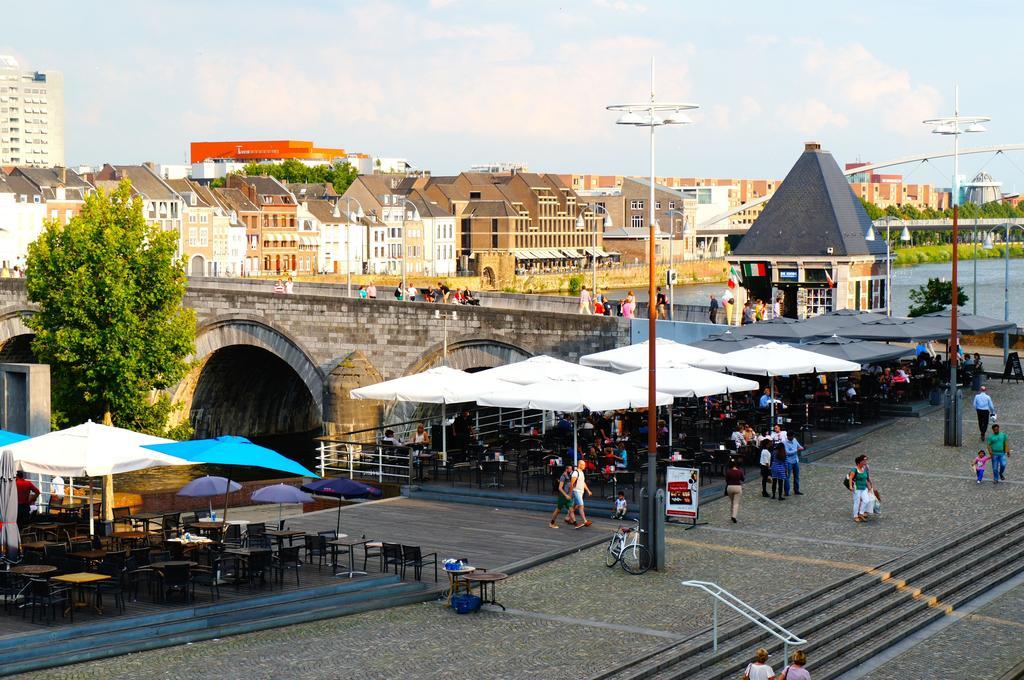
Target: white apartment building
[22, 211]
[31, 116]
[342, 241]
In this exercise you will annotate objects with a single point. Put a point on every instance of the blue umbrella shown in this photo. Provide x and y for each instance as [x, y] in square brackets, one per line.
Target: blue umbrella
[208, 486]
[230, 450]
[280, 493]
[340, 488]
[11, 437]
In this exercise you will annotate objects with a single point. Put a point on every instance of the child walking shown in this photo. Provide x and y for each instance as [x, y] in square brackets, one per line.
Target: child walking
[620, 506]
[979, 464]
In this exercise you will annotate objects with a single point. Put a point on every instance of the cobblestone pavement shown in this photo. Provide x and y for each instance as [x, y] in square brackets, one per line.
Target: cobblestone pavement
[777, 551]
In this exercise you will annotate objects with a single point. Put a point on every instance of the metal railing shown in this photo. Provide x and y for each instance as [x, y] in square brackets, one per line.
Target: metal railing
[722, 595]
[361, 460]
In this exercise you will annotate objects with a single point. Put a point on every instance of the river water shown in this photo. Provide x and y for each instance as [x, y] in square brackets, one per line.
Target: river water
[905, 279]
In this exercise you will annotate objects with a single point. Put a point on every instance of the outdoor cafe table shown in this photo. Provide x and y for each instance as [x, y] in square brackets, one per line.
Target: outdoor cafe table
[89, 555]
[174, 563]
[280, 535]
[206, 527]
[131, 537]
[37, 545]
[484, 579]
[343, 541]
[147, 518]
[79, 581]
[33, 569]
[457, 581]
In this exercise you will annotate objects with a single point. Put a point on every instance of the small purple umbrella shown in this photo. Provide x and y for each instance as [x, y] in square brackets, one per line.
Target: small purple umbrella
[208, 487]
[341, 488]
[280, 494]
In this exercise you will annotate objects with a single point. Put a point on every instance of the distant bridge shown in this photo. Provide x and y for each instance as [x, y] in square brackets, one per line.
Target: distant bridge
[945, 224]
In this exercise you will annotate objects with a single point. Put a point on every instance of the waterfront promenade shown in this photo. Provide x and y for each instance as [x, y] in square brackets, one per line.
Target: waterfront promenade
[572, 617]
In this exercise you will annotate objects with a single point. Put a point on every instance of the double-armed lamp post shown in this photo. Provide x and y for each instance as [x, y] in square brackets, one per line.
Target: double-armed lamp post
[350, 217]
[581, 223]
[955, 126]
[905, 237]
[687, 233]
[652, 114]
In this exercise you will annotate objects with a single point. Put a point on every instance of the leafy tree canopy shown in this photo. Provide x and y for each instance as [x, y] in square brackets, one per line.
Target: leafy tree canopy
[340, 174]
[935, 296]
[111, 322]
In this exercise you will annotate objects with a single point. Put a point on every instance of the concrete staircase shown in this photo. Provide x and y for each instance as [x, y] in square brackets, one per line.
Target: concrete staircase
[856, 618]
[120, 635]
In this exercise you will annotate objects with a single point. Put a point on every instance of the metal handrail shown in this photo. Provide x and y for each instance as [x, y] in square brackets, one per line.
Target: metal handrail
[722, 595]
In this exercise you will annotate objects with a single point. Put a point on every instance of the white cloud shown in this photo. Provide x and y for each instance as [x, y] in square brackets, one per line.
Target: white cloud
[810, 117]
[622, 6]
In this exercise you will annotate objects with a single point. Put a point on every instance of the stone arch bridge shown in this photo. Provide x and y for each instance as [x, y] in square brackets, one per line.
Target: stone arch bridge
[271, 364]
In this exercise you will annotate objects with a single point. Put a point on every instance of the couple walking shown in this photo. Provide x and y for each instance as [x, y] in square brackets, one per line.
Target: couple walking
[572, 486]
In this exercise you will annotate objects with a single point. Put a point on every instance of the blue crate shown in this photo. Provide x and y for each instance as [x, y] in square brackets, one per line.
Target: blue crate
[464, 604]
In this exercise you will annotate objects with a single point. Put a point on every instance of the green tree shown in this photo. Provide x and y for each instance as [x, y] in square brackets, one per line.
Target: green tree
[111, 322]
[340, 175]
[874, 212]
[935, 296]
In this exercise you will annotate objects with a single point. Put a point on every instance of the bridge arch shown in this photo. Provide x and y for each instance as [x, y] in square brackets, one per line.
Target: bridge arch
[470, 353]
[250, 378]
[15, 335]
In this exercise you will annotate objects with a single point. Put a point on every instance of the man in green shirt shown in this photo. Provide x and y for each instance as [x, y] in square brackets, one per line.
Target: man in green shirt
[999, 449]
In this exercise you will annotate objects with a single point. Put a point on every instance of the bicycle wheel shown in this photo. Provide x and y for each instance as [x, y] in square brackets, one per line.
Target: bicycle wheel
[611, 558]
[635, 559]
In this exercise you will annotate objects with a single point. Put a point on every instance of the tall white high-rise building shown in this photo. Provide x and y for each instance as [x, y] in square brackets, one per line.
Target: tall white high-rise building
[31, 115]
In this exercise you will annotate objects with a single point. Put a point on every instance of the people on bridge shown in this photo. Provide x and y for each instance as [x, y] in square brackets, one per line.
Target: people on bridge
[584, 306]
[713, 309]
[371, 291]
[661, 304]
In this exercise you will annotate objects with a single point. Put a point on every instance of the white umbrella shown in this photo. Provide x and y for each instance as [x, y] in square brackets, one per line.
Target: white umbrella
[440, 385]
[632, 357]
[90, 450]
[573, 395]
[538, 368]
[10, 539]
[687, 381]
[772, 359]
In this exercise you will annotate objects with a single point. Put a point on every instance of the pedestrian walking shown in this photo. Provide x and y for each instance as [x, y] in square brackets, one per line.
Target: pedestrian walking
[279, 287]
[985, 409]
[980, 461]
[748, 314]
[766, 465]
[598, 305]
[779, 472]
[999, 449]
[371, 291]
[362, 293]
[859, 481]
[795, 670]
[584, 307]
[661, 304]
[564, 499]
[734, 487]
[713, 309]
[758, 669]
[579, 488]
[793, 449]
[289, 286]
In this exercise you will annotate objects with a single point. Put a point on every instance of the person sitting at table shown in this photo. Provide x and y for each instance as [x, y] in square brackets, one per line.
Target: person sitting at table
[737, 437]
[978, 367]
[778, 435]
[420, 438]
[885, 382]
[390, 439]
[564, 424]
[749, 436]
[851, 392]
[900, 376]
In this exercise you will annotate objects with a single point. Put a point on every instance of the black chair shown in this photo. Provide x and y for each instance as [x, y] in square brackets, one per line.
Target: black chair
[373, 549]
[117, 586]
[258, 542]
[11, 586]
[139, 556]
[391, 554]
[316, 548]
[116, 558]
[413, 557]
[139, 576]
[56, 550]
[257, 565]
[232, 536]
[220, 573]
[176, 578]
[175, 549]
[42, 594]
[287, 558]
[123, 516]
[79, 545]
[255, 530]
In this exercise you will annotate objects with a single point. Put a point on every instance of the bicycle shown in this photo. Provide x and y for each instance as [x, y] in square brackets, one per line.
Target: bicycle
[624, 547]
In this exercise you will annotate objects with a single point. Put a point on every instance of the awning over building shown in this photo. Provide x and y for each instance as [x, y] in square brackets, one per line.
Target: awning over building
[522, 254]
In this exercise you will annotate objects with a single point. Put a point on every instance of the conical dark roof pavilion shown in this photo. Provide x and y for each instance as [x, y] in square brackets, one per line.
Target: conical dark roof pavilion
[813, 210]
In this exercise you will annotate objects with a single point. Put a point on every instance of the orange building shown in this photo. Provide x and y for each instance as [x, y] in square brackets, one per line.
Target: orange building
[273, 150]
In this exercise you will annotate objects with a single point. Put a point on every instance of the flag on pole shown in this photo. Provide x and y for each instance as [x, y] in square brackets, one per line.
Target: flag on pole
[735, 278]
[755, 269]
[828, 277]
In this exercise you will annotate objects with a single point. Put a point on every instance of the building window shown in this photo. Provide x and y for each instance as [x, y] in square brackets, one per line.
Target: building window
[819, 301]
[494, 233]
[657, 205]
[671, 205]
[636, 221]
[636, 205]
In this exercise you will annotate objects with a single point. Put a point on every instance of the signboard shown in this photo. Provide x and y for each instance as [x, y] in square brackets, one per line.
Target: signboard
[1012, 370]
[789, 275]
[682, 491]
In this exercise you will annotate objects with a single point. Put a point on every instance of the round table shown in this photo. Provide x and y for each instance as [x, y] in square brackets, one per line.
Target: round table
[33, 569]
[455, 579]
[484, 578]
[173, 563]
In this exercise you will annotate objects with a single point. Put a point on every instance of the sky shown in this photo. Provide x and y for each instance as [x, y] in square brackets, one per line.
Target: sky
[450, 83]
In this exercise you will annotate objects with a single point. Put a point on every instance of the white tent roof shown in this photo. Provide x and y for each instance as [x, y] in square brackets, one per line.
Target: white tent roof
[776, 359]
[538, 368]
[90, 450]
[439, 385]
[632, 357]
[572, 395]
[687, 381]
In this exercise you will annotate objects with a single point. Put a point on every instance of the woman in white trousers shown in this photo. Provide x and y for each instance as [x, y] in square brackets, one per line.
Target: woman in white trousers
[860, 484]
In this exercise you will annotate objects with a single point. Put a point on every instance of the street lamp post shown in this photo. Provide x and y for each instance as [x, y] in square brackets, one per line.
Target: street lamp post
[652, 114]
[405, 252]
[348, 237]
[687, 233]
[581, 224]
[904, 236]
[955, 125]
[1006, 280]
